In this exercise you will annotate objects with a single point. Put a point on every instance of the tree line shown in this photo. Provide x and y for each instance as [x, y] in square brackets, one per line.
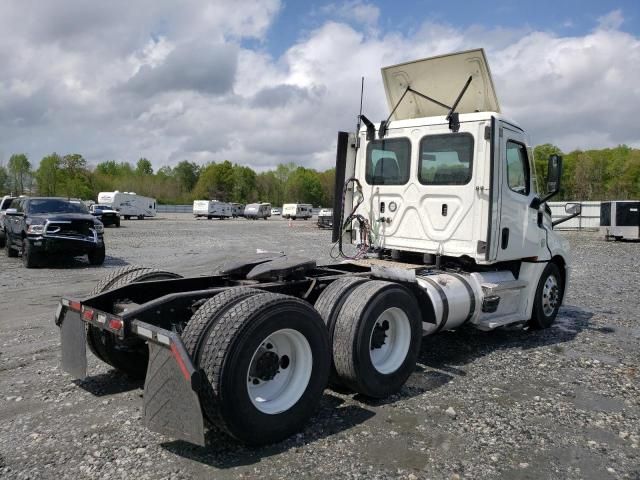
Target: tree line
[610, 173]
[71, 176]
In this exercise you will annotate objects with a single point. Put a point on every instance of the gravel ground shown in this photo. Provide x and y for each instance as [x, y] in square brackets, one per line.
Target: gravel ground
[560, 403]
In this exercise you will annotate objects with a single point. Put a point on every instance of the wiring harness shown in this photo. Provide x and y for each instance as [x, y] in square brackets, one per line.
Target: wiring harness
[361, 223]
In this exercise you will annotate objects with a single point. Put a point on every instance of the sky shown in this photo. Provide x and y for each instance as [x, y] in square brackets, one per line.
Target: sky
[263, 82]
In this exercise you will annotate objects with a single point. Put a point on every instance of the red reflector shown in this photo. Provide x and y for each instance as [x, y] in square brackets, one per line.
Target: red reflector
[75, 306]
[87, 314]
[183, 367]
[115, 324]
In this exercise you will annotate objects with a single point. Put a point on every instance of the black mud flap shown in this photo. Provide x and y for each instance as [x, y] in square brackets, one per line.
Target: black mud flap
[73, 342]
[171, 403]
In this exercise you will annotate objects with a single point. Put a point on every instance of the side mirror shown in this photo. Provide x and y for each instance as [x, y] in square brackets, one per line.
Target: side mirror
[554, 173]
[12, 212]
[573, 209]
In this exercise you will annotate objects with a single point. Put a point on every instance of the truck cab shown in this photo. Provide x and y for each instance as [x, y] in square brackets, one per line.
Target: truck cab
[448, 179]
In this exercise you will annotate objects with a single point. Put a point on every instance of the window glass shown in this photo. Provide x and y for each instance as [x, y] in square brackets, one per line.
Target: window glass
[55, 205]
[446, 159]
[388, 161]
[517, 168]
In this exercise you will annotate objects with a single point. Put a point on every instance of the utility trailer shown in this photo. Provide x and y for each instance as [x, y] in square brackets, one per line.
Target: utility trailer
[620, 220]
[439, 225]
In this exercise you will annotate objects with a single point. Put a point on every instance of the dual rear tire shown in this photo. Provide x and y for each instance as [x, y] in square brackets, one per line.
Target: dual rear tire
[266, 361]
[375, 329]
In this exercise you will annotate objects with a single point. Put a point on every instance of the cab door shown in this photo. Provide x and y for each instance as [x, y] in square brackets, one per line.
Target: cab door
[518, 235]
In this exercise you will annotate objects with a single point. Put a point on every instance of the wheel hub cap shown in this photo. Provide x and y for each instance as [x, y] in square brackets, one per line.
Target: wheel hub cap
[378, 336]
[550, 295]
[267, 366]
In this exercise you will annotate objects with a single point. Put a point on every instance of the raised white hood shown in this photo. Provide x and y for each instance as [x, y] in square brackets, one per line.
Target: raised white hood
[441, 78]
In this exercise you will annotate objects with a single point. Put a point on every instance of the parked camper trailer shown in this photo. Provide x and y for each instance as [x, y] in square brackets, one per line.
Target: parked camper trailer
[297, 210]
[129, 204]
[255, 211]
[237, 209]
[620, 220]
[212, 209]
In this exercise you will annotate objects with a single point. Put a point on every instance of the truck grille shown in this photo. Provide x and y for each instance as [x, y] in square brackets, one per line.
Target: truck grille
[73, 228]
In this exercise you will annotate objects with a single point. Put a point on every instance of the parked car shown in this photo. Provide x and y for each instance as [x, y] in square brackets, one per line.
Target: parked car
[276, 211]
[105, 214]
[38, 227]
[325, 218]
[4, 204]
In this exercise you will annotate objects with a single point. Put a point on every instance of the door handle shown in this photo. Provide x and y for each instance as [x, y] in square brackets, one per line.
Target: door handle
[505, 238]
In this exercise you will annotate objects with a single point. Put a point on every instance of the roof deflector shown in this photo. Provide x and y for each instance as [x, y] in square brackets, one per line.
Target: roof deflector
[435, 83]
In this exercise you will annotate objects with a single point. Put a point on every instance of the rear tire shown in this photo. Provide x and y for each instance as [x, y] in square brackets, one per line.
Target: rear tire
[3, 239]
[267, 362]
[118, 223]
[328, 306]
[132, 358]
[196, 330]
[548, 298]
[377, 338]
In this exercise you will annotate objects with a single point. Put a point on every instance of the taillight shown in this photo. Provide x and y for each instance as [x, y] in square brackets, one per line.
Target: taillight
[76, 306]
[87, 314]
[115, 324]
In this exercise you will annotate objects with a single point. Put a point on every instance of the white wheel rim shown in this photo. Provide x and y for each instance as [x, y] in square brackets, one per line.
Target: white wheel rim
[274, 392]
[550, 295]
[390, 340]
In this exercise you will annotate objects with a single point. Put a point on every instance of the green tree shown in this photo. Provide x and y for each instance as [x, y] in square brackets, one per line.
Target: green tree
[20, 170]
[143, 167]
[4, 180]
[187, 174]
[48, 174]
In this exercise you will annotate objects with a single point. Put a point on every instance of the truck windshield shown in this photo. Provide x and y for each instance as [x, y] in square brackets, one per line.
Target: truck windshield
[388, 161]
[55, 205]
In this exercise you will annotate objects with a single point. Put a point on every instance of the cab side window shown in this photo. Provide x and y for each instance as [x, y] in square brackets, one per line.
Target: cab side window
[518, 175]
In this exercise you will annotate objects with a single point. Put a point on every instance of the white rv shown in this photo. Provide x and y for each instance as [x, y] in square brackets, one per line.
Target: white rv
[212, 209]
[129, 204]
[297, 210]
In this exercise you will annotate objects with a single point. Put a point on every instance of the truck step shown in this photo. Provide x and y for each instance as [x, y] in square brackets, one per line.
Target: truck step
[490, 289]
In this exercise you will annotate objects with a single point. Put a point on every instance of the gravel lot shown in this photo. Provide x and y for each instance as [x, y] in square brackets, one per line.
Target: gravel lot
[560, 403]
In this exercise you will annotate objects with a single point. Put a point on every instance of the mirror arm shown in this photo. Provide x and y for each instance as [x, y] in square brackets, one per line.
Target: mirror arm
[537, 201]
[564, 219]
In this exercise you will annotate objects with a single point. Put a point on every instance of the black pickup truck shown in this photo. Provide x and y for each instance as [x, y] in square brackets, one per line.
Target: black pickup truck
[42, 226]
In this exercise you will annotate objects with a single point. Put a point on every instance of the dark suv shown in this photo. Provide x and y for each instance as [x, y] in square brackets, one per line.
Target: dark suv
[40, 226]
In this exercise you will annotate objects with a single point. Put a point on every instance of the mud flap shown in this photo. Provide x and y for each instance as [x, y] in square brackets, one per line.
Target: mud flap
[73, 343]
[171, 403]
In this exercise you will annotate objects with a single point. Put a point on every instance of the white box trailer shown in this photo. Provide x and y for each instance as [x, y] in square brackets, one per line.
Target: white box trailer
[297, 210]
[620, 220]
[129, 204]
[436, 211]
[212, 209]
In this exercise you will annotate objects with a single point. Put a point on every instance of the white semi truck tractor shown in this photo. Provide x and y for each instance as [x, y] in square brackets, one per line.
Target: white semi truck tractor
[439, 224]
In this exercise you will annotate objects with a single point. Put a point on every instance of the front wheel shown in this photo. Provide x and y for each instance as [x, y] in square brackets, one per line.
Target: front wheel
[96, 256]
[267, 362]
[11, 252]
[29, 256]
[548, 297]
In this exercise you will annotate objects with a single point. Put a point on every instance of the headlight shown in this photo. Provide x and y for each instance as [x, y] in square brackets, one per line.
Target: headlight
[35, 229]
[99, 228]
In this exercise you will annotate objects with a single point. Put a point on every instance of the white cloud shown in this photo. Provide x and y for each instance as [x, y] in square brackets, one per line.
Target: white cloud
[611, 21]
[172, 82]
